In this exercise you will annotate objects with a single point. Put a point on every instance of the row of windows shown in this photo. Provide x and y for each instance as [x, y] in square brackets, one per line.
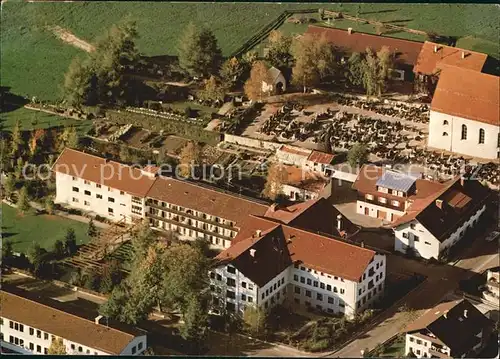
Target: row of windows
[464, 133]
[318, 307]
[419, 342]
[191, 212]
[272, 288]
[275, 297]
[98, 196]
[319, 296]
[97, 185]
[19, 327]
[315, 283]
[415, 238]
[362, 301]
[302, 268]
[383, 200]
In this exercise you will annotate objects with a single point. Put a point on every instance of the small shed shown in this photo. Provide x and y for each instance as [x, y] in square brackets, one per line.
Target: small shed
[278, 82]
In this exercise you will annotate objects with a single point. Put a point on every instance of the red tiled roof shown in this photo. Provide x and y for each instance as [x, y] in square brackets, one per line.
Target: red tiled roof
[457, 330]
[204, 199]
[282, 245]
[295, 150]
[304, 179]
[406, 51]
[429, 62]
[107, 173]
[321, 157]
[468, 94]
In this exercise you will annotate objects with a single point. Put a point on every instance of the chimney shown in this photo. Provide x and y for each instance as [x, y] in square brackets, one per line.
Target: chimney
[463, 54]
[252, 252]
[349, 30]
[362, 244]
[462, 180]
[439, 203]
[435, 48]
[465, 313]
[97, 319]
[273, 207]
[258, 233]
[339, 222]
[445, 315]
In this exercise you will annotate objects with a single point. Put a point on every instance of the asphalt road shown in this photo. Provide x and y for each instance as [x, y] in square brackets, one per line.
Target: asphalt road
[441, 280]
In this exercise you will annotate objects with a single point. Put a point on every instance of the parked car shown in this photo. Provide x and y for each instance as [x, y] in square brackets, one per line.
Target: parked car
[492, 236]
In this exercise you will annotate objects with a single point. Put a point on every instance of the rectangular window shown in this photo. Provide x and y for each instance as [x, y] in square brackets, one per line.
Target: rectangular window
[296, 277]
[75, 200]
[122, 193]
[250, 299]
[328, 287]
[38, 349]
[342, 291]
[75, 189]
[419, 342]
[322, 285]
[32, 331]
[45, 351]
[297, 290]
[319, 296]
[395, 203]
[110, 210]
[73, 178]
[111, 199]
[87, 203]
[302, 280]
[38, 334]
[230, 294]
[315, 283]
[244, 284]
[231, 282]
[250, 286]
[231, 269]
[335, 290]
[32, 346]
[427, 243]
[80, 349]
[382, 200]
[412, 225]
[98, 185]
[415, 238]
[369, 197]
[139, 346]
[134, 350]
[98, 196]
[308, 293]
[243, 297]
[46, 336]
[309, 281]
[330, 300]
[86, 182]
[87, 193]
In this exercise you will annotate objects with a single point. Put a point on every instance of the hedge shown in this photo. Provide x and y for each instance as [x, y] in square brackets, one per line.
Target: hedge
[157, 124]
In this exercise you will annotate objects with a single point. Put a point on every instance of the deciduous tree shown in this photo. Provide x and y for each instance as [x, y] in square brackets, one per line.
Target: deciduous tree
[9, 185]
[70, 245]
[213, 90]
[57, 347]
[357, 155]
[195, 324]
[199, 53]
[276, 178]
[231, 72]
[255, 319]
[37, 137]
[278, 50]
[23, 201]
[314, 60]
[79, 87]
[254, 85]
[190, 159]
[355, 70]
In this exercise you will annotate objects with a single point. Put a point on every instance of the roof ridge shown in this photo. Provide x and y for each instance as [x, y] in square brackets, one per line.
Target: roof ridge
[62, 311]
[334, 238]
[368, 34]
[250, 200]
[454, 47]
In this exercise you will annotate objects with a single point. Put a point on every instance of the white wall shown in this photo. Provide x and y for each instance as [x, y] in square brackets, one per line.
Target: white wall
[298, 194]
[427, 246]
[137, 346]
[251, 142]
[361, 205]
[40, 345]
[454, 143]
[420, 346]
[122, 205]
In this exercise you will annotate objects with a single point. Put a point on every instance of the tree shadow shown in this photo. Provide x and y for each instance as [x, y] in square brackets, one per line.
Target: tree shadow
[10, 102]
[8, 234]
[396, 21]
[378, 11]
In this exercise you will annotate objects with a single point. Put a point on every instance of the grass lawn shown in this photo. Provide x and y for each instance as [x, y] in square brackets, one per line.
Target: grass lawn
[26, 230]
[30, 119]
[200, 109]
[394, 349]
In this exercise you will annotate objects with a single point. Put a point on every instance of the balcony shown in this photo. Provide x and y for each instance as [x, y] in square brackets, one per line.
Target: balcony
[188, 215]
[389, 198]
[436, 353]
[187, 226]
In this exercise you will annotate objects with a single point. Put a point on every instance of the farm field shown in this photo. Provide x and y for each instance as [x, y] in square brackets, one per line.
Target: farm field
[30, 119]
[34, 60]
[25, 230]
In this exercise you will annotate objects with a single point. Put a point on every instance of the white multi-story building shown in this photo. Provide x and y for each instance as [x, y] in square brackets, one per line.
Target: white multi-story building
[464, 116]
[193, 211]
[102, 187]
[433, 224]
[29, 327]
[454, 329]
[272, 262]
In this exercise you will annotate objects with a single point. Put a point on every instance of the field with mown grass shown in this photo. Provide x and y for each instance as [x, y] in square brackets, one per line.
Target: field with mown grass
[30, 120]
[34, 60]
[26, 230]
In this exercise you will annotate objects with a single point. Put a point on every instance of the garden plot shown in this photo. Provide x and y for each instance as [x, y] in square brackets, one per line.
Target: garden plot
[173, 144]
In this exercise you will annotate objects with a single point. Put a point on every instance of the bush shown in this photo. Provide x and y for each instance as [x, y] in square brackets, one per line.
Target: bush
[317, 346]
[188, 111]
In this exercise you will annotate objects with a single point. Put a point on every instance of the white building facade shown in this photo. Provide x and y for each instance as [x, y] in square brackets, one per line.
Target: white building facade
[107, 202]
[302, 287]
[414, 235]
[464, 136]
